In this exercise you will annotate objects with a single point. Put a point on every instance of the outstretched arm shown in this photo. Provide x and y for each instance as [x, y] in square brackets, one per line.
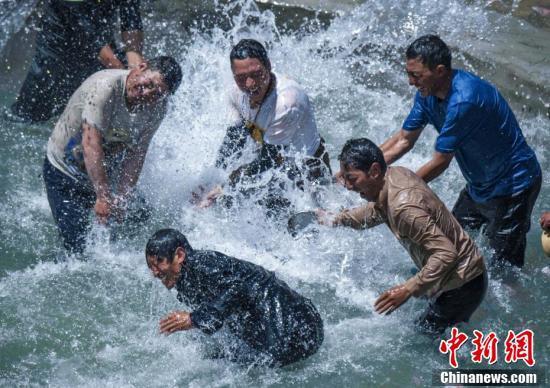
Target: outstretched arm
[399, 144]
[108, 58]
[133, 44]
[361, 217]
[435, 166]
[131, 28]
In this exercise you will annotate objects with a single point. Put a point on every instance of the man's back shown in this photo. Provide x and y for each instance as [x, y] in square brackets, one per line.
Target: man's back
[255, 306]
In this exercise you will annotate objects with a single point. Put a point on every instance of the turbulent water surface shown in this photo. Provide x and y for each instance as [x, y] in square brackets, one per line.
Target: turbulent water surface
[93, 320]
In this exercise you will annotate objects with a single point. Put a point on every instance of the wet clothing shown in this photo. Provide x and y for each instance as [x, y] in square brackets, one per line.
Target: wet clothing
[507, 220]
[475, 122]
[71, 202]
[277, 323]
[280, 129]
[446, 256]
[70, 36]
[454, 306]
[450, 265]
[101, 102]
[285, 117]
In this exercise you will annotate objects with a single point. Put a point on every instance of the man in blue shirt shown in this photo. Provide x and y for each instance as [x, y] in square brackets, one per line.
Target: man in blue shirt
[475, 125]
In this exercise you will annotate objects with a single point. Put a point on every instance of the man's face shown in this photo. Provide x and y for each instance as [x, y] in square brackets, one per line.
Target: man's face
[251, 76]
[367, 184]
[421, 77]
[168, 273]
[145, 87]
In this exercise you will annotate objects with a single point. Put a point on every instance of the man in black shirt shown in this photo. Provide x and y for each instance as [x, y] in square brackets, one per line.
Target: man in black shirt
[75, 39]
[275, 325]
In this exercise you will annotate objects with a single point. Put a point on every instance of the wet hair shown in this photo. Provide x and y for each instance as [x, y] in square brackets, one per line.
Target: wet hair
[164, 242]
[361, 154]
[169, 69]
[431, 50]
[250, 48]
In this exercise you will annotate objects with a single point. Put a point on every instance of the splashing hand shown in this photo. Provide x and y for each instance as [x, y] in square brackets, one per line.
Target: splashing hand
[325, 217]
[175, 321]
[391, 300]
[102, 210]
[211, 197]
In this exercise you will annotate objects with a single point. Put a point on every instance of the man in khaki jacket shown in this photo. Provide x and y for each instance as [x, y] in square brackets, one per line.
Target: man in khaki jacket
[452, 271]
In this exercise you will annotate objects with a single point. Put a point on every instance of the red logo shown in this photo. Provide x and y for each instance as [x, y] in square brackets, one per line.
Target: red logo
[484, 348]
[451, 346]
[516, 347]
[519, 347]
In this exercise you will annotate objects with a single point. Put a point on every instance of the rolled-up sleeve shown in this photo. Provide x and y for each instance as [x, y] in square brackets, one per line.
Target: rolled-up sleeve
[419, 228]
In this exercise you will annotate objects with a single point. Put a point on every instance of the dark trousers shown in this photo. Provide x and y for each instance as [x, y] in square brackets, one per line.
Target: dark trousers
[70, 202]
[49, 84]
[507, 220]
[454, 306]
[277, 345]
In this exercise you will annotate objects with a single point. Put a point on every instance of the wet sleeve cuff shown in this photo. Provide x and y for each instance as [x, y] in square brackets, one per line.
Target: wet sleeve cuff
[413, 286]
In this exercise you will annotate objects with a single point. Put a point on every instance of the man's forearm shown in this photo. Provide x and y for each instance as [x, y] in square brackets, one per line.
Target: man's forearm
[131, 169]
[395, 150]
[94, 159]
[108, 58]
[390, 142]
[435, 167]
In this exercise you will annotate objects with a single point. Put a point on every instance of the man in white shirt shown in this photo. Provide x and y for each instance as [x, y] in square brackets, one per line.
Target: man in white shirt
[271, 113]
[96, 151]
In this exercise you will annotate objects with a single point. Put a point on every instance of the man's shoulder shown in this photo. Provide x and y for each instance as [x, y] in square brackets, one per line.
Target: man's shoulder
[209, 260]
[405, 187]
[290, 92]
[469, 88]
[286, 84]
[108, 75]
[104, 81]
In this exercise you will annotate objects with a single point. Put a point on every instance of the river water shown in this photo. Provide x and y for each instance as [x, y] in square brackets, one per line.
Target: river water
[92, 320]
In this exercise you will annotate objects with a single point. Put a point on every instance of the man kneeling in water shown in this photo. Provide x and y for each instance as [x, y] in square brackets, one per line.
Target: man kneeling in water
[273, 324]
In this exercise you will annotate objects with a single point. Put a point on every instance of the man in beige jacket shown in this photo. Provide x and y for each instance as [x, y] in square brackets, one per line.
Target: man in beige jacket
[451, 269]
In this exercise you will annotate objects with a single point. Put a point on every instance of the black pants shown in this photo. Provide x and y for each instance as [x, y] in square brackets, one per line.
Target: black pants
[49, 84]
[279, 344]
[70, 202]
[507, 220]
[454, 306]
